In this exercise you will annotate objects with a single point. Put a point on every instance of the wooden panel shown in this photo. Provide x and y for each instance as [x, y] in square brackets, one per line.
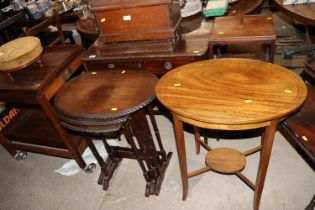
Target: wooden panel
[34, 127]
[139, 23]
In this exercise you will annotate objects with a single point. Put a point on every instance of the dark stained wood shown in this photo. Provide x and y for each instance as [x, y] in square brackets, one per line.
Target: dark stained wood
[302, 12]
[244, 7]
[187, 50]
[88, 31]
[133, 21]
[119, 88]
[261, 95]
[33, 88]
[244, 30]
[299, 128]
[43, 25]
[113, 102]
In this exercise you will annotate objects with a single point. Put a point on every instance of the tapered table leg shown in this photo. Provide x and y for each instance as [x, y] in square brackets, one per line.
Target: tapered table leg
[267, 142]
[181, 151]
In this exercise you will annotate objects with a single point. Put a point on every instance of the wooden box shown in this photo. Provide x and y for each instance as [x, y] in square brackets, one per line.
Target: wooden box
[138, 22]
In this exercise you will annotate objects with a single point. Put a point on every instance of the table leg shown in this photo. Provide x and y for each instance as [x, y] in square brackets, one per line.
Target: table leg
[267, 142]
[197, 138]
[7, 145]
[52, 116]
[181, 151]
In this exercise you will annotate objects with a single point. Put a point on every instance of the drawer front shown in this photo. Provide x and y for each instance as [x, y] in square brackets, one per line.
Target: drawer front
[138, 23]
[158, 68]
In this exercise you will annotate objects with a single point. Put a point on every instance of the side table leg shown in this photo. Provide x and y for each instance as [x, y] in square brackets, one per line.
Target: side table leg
[264, 161]
[181, 151]
[52, 116]
[197, 139]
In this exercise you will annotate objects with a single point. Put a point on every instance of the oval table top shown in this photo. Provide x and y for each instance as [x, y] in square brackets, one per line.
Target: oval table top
[302, 12]
[231, 92]
[105, 94]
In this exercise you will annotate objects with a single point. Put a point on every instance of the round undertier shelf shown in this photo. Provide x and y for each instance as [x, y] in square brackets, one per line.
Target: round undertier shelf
[225, 160]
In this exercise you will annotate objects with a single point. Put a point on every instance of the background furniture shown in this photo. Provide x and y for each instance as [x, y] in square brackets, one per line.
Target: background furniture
[113, 102]
[37, 128]
[190, 48]
[248, 32]
[299, 128]
[301, 12]
[50, 38]
[87, 30]
[261, 95]
[11, 26]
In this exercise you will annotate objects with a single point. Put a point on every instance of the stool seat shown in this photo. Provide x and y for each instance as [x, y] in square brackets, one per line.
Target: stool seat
[225, 160]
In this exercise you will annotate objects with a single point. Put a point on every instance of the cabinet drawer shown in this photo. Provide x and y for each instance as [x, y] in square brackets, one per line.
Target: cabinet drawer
[158, 68]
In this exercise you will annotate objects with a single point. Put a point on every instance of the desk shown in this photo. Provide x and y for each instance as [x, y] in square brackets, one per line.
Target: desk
[37, 128]
[230, 94]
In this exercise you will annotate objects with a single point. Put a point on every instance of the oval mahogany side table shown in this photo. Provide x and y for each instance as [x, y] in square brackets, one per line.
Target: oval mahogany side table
[230, 94]
[107, 103]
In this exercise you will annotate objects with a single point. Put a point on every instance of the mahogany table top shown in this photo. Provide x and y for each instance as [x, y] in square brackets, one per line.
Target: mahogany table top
[231, 92]
[106, 94]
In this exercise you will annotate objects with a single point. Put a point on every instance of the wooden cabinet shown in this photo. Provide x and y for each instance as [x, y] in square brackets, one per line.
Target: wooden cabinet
[137, 25]
[36, 128]
[188, 49]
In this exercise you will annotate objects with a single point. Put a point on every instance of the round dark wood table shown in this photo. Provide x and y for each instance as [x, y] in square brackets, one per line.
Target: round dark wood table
[108, 103]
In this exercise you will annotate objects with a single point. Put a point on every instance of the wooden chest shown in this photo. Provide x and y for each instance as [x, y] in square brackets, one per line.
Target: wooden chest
[137, 22]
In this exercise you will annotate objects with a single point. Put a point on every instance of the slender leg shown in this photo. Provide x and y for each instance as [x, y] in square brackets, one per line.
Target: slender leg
[181, 151]
[211, 51]
[197, 139]
[264, 161]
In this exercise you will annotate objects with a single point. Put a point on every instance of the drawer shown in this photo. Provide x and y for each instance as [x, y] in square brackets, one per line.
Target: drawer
[158, 68]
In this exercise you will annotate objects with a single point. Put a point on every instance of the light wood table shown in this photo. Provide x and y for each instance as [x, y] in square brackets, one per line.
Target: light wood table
[230, 94]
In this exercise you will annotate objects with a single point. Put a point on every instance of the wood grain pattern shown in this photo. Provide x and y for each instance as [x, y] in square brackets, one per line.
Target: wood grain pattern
[225, 160]
[231, 91]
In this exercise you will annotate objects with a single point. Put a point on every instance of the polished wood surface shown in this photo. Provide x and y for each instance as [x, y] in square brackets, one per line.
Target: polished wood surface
[225, 160]
[190, 48]
[87, 28]
[299, 128]
[236, 92]
[230, 94]
[31, 89]
[20, 85]
[302, 12]
[244, 7]
[241, 28]
[110, 103]
[238, 30]
[100, 87]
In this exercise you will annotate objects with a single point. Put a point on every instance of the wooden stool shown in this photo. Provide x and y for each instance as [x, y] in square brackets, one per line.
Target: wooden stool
[98, 104]
[246, 31]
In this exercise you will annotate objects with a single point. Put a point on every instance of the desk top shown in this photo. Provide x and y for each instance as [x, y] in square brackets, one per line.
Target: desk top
[33, 79]
[231, 92]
